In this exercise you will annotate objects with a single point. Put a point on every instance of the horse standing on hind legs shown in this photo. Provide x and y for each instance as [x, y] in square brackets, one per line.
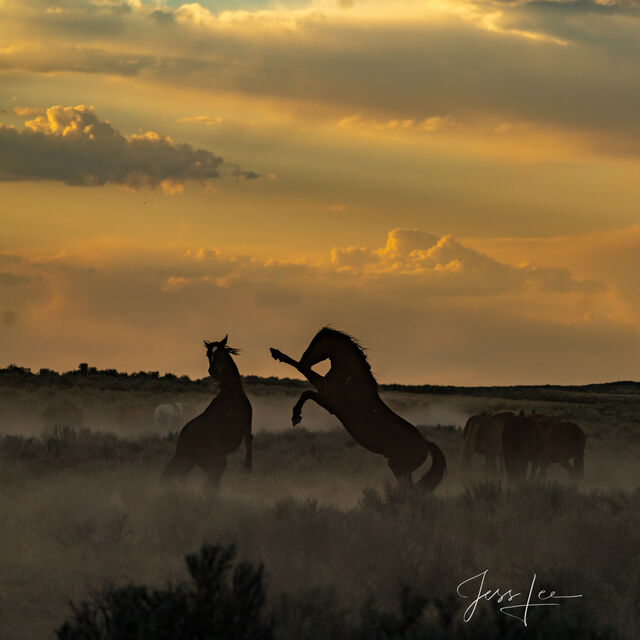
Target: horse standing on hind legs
[206, 440]
[350, 392]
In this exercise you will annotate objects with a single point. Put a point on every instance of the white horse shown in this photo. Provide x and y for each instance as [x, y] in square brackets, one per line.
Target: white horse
[168, 417]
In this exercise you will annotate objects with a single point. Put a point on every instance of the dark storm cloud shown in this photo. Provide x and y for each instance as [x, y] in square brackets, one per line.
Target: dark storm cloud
[72, 145]
[77, 58]
[525, 61]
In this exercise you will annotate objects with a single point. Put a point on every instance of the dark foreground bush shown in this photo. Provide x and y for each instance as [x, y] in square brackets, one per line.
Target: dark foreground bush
[418, 618]
[213, 605]
[228, 605]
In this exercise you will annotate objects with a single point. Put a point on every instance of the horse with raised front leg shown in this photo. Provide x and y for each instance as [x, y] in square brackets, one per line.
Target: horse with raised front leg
[219, 430]
[350, 392]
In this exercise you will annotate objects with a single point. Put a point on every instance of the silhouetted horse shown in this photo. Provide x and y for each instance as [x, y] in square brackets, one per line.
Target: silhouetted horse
[350, 392]
[208, 438]
[520, 445]
[559, 441]
[483, 435]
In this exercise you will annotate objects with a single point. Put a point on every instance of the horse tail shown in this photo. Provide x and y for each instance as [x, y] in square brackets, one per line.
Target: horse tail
[438, 470]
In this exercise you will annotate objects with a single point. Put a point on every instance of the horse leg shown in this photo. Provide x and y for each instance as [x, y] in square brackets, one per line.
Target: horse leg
[248, 458]
[214, 470]
[314, 378]
[296, 416]
[399, 470]
[468, 448]
[569, 468]
[578, 462]
[405, 461]
[541, 472]
[178, 467]
[490, 465]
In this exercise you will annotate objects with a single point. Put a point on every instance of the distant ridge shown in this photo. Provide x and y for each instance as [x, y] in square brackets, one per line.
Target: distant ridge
[532, 392]
[85, 375]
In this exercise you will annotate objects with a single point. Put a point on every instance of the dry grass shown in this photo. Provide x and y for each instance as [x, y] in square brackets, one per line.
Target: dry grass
[81, 509]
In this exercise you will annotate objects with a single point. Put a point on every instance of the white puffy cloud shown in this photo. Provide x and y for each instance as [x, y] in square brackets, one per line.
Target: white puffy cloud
[72, 145]
[444, 266]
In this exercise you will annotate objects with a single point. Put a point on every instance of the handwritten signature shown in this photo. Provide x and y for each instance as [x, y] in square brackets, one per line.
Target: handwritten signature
[509, 596]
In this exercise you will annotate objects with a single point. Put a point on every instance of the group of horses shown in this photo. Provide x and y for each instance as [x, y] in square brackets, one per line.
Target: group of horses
[350, 392]
[524, 445]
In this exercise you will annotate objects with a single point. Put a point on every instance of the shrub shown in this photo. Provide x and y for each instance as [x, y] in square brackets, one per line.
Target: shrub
[216, 604]
[229, 606]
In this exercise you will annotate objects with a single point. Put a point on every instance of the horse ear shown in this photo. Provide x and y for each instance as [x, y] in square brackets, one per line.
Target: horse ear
[223, 343]
[206, 344]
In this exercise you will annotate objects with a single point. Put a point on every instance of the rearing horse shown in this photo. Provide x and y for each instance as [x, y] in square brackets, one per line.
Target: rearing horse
[208, 438]
[350, 392]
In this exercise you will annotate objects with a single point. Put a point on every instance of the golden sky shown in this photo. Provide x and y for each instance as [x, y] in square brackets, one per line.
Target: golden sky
[455, 183]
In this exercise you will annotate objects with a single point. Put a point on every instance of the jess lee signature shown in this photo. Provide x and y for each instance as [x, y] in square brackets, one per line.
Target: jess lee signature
[476, 585]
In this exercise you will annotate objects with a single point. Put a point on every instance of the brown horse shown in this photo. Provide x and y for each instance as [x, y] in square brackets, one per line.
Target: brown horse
[483, 435]
[350, 392]
[520, 445]
[208, 438]
[559, 441]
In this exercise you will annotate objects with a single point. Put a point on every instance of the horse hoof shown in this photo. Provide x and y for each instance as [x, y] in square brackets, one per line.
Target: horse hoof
[275, 354]
[296, 420]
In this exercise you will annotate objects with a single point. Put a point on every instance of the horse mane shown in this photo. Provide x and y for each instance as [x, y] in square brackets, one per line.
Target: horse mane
[353, 342]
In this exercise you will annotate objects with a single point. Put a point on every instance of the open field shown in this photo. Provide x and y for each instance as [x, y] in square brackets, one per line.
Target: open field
[83, 508]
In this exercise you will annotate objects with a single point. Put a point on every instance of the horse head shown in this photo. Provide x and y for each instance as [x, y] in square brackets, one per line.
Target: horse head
[346, 354]
[219, 357]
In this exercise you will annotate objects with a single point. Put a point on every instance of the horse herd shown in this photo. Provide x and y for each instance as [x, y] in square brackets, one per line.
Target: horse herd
[350, 392]
[523, 444]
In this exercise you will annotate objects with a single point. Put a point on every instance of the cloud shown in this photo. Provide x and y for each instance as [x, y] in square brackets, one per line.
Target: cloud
[72, 145]
[612, 256]
[395, 125]
[11, 280]
[29, 112]
[446, 267]
[430, 308]
[415, 66]
[208, 120]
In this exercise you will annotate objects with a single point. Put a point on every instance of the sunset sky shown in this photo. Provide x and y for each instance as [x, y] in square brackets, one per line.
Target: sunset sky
[456, 183]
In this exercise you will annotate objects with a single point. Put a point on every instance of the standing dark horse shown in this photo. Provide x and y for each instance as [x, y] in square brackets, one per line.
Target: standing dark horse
[350, 392]
[560, 441]
[483, 435]
[520, 446]
[208, 438]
